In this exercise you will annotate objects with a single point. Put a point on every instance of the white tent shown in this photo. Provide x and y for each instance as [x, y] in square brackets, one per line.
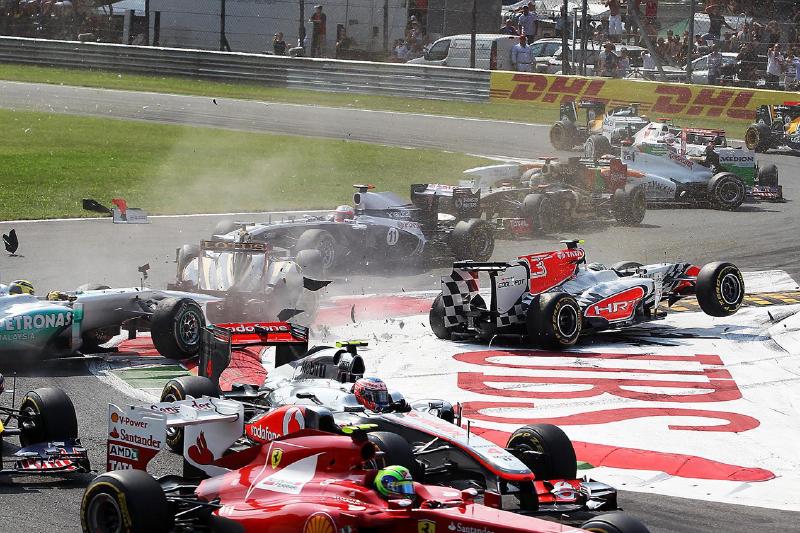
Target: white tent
[119, 8]
[551, 8]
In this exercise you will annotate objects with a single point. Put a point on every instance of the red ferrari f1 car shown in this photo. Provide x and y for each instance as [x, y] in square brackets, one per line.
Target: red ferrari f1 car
[311, 482]
[552, 298]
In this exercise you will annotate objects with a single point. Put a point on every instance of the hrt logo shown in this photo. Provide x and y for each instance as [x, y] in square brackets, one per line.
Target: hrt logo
[620, 306]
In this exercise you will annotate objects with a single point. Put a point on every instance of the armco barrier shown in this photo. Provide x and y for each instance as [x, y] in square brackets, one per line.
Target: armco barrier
[389, 79]
[674, 100]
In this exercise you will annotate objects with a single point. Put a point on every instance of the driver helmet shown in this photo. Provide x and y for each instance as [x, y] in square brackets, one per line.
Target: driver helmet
[372, 393]
[20, 286]
[344, 212]
[394, 482]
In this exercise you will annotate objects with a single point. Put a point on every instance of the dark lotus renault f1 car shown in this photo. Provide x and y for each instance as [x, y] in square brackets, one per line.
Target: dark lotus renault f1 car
[380, 230]
[47, 429]
[309, 482]
[552, 298]
[535, 473]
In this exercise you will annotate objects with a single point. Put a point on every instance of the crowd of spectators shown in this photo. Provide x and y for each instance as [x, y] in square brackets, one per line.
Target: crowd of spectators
[413, 44]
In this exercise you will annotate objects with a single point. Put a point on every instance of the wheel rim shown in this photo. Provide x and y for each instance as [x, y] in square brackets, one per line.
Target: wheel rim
[730, 288]
[103, 514]
[729, 192]
[567, 321]
[751, 139]
[326, 250]
[189, 328]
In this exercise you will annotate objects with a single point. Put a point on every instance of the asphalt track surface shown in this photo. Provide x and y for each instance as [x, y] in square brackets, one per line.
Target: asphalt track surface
[65, 254]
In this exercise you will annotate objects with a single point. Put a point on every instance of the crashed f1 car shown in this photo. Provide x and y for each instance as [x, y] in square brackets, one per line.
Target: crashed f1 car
[64, 323]
[325, 390]
[776, 126]
[619, 122]
[47, 429]
[250, 280]
[309, 481]
[523, 199]
[553, 298]
[380, 230]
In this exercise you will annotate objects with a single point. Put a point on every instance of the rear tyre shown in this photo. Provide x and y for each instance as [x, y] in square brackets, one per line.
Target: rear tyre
[617, 522]
[176, 327]
[726, 191]
[128, 501]
[179, 389]
[768, 175]
[629, 205]
[321, 241]
[555, 320]
[596, 146]
[720, 289]
[47, 414]
[437, 319]
[224, 227]
[472, 239]
[553, 214]
[530, 209]
[186, 254]
[552, 457]
[561, 136]
[396, 451]
[756, 138]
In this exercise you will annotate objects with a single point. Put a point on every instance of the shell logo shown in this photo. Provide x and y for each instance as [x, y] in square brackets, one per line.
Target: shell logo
[319, 523]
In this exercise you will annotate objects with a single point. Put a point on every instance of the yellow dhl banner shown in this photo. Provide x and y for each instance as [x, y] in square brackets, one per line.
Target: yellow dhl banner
[674, 100]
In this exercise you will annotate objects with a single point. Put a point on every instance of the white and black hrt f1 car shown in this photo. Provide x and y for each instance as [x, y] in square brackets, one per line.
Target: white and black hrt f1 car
[553, 297]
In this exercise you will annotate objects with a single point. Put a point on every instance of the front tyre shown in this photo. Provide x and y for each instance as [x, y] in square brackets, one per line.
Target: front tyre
[546, 450]
[125, 501]
[322, 242]
[756, 138]
[176, 327]
[555, 320]
[472, 239]
[726, 191]
[561, 136]
[629, 205]
[396, 451]
[616, 522]
[720, 289]
[47, 414]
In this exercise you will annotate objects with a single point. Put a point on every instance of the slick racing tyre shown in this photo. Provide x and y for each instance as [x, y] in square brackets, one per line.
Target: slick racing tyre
[46, 415]
[125, 501]
[562, 136]
[176, 327]
[720, 289]
[756, 137]
[726, 191]
[321, 241]
[310, 263]
[436, 317]
[554, 213]
[224, 227]
[596, 146]
[396, 451]
[546, 450]
[186, 254]
[768, 175]
[179, 389]
[617, 522]
[629, 205]
[472, 239]
[554, 320]
[530, 209]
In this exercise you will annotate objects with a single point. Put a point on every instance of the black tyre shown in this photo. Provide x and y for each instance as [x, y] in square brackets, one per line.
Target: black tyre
[617, 522]
[310, 263]
[472, 239]
[555, 320]
[726, 191]
[630, 205]
[596, 146]
[768, 175]
[179, 389]
[176, 327]
[94, 339]
[321, 241]
[546, 450]
[436, 318]
[530, 209]
[46, 415]
[720, 289]
[396, 451]
[625, 268]
[125, 501]
[562, 136]
[224, 227]
[757, 137]
[186, 254]
[554, 214]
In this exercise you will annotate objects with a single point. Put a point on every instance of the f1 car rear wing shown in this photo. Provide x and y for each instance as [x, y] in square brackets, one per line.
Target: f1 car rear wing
[432, 199]
[217, 341]
[137, 433]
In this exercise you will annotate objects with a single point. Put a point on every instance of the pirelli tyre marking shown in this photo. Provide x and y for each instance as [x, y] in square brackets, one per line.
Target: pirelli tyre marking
[750, 300]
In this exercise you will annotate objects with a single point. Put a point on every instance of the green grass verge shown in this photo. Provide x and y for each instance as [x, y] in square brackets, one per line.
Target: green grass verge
[49, 162]
[534, 113]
